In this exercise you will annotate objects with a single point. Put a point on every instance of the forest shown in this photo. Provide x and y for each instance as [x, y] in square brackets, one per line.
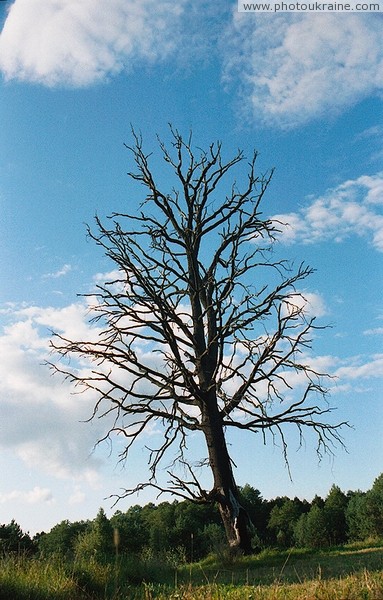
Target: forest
[186, 531]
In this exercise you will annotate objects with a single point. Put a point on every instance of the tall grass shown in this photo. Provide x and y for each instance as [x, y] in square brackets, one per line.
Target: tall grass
[349, 573]
[23, 578]
[54, 578]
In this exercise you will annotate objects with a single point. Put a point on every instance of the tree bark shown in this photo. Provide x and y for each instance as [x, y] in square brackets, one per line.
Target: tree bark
[225, 491]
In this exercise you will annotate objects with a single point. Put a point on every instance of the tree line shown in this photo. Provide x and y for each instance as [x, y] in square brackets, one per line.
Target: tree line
[186, 531]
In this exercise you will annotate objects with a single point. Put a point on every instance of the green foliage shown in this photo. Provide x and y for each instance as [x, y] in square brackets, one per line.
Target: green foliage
[374, 500]
[78, 561]
[311, 530]
[317, 501]
[335, 512]
[327, 523]
[258, 511]
[282, 521]
[166, 526]
[215, 542]
[186, 531]
[133, 529]
[364, 512]
[191, 527]
[13, 539]
[62, 538]
[161, 526]
[97, 541]
[359, 524]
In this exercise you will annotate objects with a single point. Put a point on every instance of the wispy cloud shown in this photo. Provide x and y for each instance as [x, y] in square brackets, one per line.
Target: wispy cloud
[360, 368]
[35, 496]
[375, 331]
[376, 131]
[293, 68]
[65, 269]
[352, 208]
[80, 42]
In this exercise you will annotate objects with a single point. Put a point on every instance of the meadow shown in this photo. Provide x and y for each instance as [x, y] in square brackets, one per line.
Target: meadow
[351, 572]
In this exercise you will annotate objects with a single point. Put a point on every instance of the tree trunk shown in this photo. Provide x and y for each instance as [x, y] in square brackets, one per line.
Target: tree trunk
[225, 492]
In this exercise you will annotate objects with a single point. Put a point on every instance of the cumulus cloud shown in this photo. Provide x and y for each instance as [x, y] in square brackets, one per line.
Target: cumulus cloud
[293, 68]
[290, 68]
[79, 42]
[352, 208]
[41, 420]
[312, 304]
[71, 321]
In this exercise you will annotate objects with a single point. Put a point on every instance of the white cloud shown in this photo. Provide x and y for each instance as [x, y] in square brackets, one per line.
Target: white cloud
[375, 331]
[78, 497]
[290, 68]
[35, 496]
[361, 369]
[376, 131]
[79, 42]
[347, 374]
[101, 278]
[315, 304]
[312, 304]
[65, 269]
[41, 419]
[293, 68]
[71, 321]
[352, 208]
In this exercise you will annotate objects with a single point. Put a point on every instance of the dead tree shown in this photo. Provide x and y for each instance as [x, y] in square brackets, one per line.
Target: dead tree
[202, 327]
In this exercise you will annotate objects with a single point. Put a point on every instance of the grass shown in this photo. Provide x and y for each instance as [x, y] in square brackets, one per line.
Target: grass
[29, 579]
[292, 566]
[354, 572]
[364, 586]
[23, 578]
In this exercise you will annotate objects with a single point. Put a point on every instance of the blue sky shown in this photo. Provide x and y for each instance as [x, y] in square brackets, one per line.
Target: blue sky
[305, 90]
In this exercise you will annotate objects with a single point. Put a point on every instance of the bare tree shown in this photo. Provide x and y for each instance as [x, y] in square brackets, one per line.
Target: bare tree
[203, 329]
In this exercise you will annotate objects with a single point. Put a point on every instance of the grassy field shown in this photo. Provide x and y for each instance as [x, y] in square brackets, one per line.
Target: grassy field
[348, 573]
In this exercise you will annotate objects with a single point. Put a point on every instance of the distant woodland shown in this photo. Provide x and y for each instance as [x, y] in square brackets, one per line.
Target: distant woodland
[188, 531]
